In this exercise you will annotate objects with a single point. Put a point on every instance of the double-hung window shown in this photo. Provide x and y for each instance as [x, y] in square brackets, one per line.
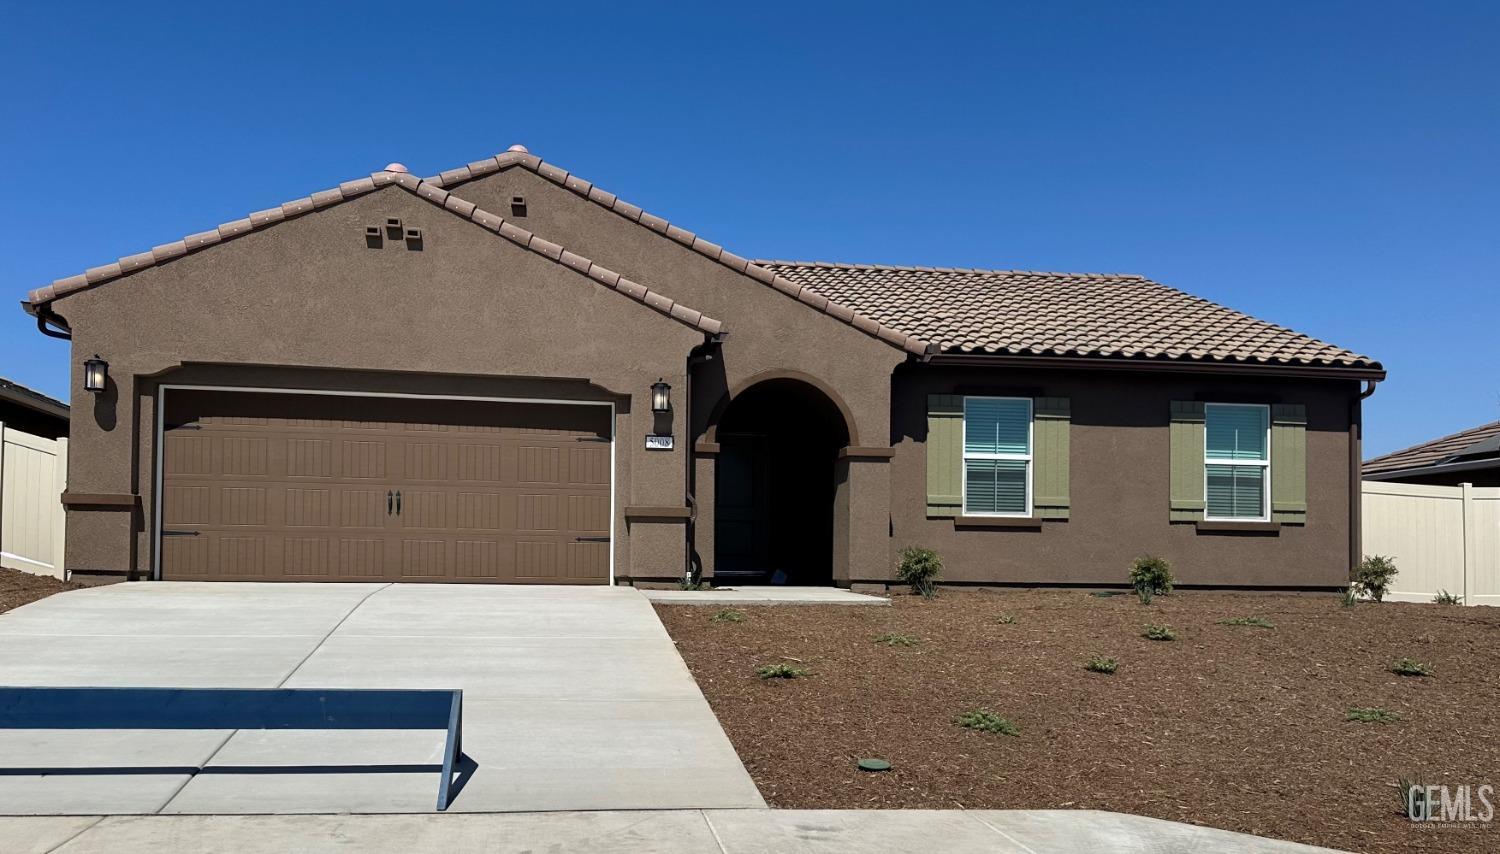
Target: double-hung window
[997, 456]
[1237, 462]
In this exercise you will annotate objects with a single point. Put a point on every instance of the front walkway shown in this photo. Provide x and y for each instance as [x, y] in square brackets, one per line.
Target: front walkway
[574, 699]
[765, 595]
[665, 832]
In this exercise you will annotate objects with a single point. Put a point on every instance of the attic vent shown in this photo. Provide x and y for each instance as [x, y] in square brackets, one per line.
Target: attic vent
[414, 238]
[393, 228]
[374, 237]
[517, 205]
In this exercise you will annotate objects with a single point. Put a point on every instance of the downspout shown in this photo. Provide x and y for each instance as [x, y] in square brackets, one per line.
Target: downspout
[1356, 484]
[698, 355]
[44, 316]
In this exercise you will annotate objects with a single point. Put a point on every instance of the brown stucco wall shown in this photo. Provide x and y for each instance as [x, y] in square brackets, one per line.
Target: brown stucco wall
[306, 304]
[1119, 480]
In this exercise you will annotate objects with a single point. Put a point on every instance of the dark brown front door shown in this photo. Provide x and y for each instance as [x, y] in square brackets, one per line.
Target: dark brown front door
[267, 487]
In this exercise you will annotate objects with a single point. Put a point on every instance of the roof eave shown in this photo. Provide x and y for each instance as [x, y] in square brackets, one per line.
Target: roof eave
[1432, 468]
[1373, 372]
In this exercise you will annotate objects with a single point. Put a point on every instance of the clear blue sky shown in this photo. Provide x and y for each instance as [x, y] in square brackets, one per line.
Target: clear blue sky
[1334, 167]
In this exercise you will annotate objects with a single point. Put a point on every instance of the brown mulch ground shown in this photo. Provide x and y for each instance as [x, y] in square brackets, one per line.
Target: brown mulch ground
[18, 588]
[1233, 727]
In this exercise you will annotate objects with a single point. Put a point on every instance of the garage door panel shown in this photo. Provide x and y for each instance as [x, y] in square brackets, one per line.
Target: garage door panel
[487, 492]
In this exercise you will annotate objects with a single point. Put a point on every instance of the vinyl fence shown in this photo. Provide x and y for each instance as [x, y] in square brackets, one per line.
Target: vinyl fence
[1442, 538]
[33, 472]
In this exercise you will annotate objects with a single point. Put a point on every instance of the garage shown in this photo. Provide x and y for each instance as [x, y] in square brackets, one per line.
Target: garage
[260, 486]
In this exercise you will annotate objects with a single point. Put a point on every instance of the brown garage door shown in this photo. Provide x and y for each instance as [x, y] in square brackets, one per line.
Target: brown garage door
[266, 487]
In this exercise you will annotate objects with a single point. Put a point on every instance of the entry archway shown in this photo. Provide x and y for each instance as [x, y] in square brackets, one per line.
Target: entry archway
[775, 483]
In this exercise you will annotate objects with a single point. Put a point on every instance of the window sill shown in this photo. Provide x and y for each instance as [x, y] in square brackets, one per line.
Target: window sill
[1027, 523]
[1205, 527]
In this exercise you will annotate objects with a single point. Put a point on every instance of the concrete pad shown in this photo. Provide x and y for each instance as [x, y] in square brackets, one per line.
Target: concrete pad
[20, 835]
[765, 596]
[466, 612]
[139, 791]
[106, 662]
[1065, 831]
[857, 832]
[666, 832]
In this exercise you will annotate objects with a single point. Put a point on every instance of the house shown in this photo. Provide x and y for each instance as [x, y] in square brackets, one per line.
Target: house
[504, 373]
[1470, 456]
[30, 411]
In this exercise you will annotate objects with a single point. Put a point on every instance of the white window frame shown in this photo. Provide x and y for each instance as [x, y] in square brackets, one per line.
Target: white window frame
[1265, 481]
[963, 497]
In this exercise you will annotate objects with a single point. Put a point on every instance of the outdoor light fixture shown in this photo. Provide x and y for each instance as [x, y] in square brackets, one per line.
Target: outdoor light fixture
[661, 397]
[95, 374]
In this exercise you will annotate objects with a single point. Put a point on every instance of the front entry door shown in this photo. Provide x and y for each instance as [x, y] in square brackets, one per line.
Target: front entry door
[742, 507]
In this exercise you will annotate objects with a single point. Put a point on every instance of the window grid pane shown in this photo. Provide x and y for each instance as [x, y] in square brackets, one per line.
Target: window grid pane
[997, 426]
[1236, 492]
[995, 486]
[1236, 432]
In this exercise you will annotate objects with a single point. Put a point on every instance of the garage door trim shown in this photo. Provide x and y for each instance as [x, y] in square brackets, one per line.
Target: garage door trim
[161, 409]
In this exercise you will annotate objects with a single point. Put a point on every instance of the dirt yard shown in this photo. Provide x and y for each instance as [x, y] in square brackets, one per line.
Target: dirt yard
[1232, 726]
[18, 588]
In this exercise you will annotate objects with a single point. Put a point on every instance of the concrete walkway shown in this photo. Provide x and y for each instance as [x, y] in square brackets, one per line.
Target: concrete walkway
[665, 832]
[574, 699]
[764, 595]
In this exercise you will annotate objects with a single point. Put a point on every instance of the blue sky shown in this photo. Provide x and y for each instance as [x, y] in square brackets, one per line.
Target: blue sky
[1328, 166]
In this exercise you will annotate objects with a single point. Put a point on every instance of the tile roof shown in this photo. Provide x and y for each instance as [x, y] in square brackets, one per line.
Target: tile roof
[352, 189]
[1022, 312]
[1484, 439]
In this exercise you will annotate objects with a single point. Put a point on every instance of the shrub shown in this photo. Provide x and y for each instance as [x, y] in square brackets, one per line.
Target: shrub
[920, 568]
[1446, 598]
[728, 615]
[1413, 803]
[1349, 597]
[986, 721]
[689, 584]
[1410, 667]
[1005, 619]
[1371, 716]
[1374, 574]
[1100, 664]
[1158, 633]
[1151, 576]
[780, 671]
[894, 639]
[1257, 622]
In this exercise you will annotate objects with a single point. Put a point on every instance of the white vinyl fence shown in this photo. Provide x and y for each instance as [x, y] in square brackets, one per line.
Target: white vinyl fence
[1441, 537]
[33, 472]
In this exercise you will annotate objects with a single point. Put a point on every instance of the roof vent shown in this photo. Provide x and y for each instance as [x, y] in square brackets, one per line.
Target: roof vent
[519, 149]
[396, 167]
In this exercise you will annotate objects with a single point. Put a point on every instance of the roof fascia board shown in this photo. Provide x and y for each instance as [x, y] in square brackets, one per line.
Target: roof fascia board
[1175, 366]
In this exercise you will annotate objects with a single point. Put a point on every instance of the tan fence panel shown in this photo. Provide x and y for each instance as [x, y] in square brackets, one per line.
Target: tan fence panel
[33, 473]
[1443, 538]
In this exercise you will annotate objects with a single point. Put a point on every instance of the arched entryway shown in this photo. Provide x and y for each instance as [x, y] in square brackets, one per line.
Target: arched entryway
[775, 482]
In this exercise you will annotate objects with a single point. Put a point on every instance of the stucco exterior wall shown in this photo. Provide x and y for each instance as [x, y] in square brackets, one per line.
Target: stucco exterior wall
[1119, 484]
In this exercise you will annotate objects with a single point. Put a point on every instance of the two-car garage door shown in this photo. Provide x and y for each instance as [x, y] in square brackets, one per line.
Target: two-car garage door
[302, 487]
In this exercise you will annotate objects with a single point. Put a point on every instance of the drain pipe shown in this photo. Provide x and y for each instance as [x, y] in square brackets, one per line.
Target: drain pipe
[1356, 482]
[692, 566]
[44, 317]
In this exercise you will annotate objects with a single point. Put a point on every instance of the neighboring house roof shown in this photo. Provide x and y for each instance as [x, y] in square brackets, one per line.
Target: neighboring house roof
[352, 189]
[1473, 444]
[30, 398]
[1023, 312]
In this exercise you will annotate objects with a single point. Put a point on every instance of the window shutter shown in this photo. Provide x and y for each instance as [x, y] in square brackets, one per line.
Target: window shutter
[1289, 463]
[1049, 456]
[945, 454]
[1186, 440]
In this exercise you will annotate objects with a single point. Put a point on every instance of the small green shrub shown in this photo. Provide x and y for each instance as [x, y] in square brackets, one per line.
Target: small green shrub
[920, 568]
[687, 584]
[1257, 622]
[780, 671]
[1100, 664]
[1374, 574]
[895, 639]
[1349, 596]
[1006, 619]
[728, 615]
[986, 721]
[1446, 598]
[1371, 716]
[1158, 633]
[1151, 576]
[1410, 667]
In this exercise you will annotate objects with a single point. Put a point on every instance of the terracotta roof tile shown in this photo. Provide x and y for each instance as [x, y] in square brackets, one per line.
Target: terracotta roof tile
[1437, 450]
[1023, 312]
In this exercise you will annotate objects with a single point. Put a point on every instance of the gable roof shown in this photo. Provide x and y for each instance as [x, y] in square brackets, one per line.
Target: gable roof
[351, 189]
[1476, 442]
[1028, 313]
[30, 398]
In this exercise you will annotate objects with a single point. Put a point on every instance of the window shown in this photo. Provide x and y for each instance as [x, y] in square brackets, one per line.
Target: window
[1237, 461]
[997, 456]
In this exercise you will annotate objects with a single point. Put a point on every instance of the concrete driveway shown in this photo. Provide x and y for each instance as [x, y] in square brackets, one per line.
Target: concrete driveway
[574, 699]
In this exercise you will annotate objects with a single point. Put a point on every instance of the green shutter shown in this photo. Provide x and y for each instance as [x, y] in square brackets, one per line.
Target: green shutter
[1049, 457]
[1186, 441]
[945, 454]
[1289, 463]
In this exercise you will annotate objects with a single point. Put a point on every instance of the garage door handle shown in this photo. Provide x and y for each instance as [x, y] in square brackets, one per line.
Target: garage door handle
[591, 539]
[389, 497]
[398, 502]
[179, 533]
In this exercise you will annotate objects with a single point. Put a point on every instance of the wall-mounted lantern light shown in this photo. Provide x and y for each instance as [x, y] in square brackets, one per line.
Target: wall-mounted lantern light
[661, 397]
[95, 375]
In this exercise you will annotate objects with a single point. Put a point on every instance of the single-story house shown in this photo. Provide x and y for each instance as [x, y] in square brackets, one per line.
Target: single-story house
[1471, 456]
[505, 373]
[30, 411]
